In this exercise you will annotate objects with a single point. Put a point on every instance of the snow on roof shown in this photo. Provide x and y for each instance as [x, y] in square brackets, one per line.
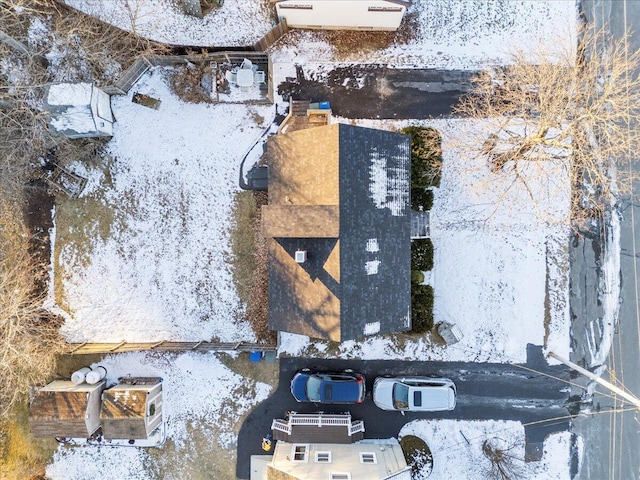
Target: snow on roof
[75, 94]
[77, 119]
[389, 185]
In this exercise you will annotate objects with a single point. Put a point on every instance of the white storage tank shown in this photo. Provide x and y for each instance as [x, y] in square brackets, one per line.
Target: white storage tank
[95, 375]
[79, 376]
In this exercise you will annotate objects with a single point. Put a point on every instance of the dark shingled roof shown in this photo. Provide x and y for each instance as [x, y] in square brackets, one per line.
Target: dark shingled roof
[359, 283]
[64, 409]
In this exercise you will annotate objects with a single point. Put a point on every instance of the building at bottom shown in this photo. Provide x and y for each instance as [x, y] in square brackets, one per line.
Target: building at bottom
[308, 455]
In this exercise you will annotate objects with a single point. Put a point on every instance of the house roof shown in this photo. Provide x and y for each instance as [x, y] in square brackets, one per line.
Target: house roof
[389, 462]
[124, 407]
[61, 408]
[124, 403]
[341, 193]
[274, 474]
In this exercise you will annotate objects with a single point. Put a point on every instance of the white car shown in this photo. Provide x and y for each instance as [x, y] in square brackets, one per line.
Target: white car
[414, 394]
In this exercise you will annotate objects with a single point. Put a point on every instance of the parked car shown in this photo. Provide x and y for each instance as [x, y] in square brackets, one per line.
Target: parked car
[328, 387]
[414, 394]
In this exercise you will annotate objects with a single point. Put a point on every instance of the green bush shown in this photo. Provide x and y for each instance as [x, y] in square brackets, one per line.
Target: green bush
[426, 156]
[421, 254]
[417, 277]
[421, 199]
[421, 308]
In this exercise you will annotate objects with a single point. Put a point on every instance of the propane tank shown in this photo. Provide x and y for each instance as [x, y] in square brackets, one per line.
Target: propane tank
[78, 376]
[95, 375]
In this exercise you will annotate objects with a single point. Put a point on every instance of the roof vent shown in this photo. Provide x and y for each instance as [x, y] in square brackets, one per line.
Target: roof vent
[301, 256]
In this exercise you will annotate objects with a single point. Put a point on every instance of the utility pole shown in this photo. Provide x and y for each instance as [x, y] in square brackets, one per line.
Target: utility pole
[631, 398]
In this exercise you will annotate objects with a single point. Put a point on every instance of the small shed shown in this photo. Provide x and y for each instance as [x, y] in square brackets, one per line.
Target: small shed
[64, 409]
[78, 110]
[132, 409]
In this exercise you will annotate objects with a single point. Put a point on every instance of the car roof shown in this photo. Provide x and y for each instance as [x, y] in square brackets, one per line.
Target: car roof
[434, 397]
[332, 389]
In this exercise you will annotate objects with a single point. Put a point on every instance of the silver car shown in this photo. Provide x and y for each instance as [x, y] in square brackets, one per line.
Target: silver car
[414, 394]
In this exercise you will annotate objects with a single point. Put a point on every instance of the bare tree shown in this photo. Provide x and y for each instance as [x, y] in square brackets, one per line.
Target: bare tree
[571, 109]
[29, 338]
[504, 464]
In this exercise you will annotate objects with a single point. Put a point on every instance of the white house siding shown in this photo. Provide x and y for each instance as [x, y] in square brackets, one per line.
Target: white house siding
[342, 14]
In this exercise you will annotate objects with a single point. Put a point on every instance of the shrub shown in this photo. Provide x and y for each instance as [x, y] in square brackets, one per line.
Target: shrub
[421, 199]
[426, 156]
[421, 308]
[417, 277]
[421, 254]
[417, 455]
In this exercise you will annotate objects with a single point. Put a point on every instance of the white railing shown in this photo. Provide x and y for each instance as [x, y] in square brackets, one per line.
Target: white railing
[282, 426]
[319, 421]
[356, 427]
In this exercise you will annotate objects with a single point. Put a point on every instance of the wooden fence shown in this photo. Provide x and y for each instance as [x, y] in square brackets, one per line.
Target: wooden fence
[271, 37]
[90, 348]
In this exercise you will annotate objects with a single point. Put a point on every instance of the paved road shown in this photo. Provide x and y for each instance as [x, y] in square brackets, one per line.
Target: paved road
[375, 91]
[485, 391]
[612, 440]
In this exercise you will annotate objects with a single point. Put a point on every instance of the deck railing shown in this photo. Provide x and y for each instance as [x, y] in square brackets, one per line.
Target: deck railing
[319, 421]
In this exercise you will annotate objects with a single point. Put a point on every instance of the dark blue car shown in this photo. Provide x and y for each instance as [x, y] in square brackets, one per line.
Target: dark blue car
[328, 387]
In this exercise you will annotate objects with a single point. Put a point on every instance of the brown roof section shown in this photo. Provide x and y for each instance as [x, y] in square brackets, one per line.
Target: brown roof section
[60, 409]
[301, 221]
[296, 163]
[124, 403]
[126, 408]
[314, 308]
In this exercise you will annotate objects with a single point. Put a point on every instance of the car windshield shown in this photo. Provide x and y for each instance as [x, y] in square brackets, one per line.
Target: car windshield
[400, 396]
[313, 389]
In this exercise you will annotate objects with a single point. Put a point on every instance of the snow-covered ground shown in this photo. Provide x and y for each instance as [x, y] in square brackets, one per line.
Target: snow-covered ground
[456, 447]
[237, 22]
[162, 272]
[453, 34]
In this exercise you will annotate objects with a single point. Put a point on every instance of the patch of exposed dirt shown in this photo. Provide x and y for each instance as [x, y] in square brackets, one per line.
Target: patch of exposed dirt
[37, 216]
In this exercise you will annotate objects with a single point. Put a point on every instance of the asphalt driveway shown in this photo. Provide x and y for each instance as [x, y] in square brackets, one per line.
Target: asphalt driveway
[376, 91]
[530, 393]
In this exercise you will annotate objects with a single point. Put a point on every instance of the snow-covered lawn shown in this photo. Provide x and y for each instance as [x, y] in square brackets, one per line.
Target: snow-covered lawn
[201, 397]
[237, 22]
[154, 265]
[456, 447]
